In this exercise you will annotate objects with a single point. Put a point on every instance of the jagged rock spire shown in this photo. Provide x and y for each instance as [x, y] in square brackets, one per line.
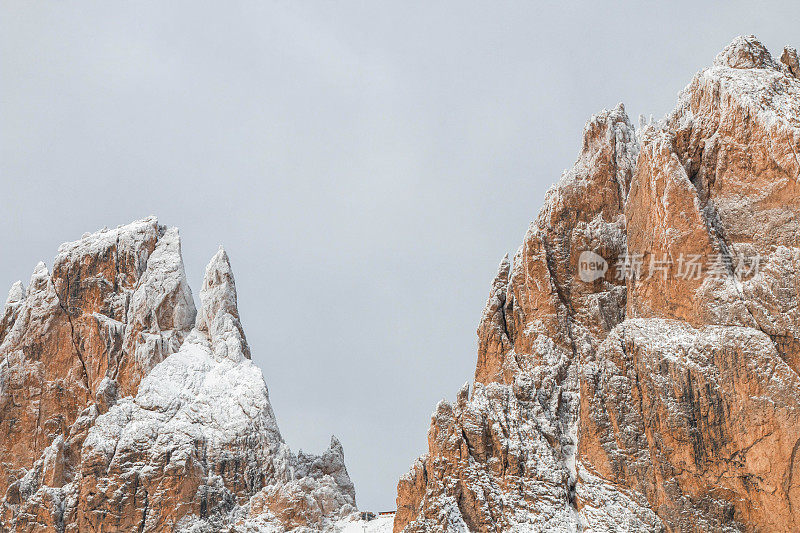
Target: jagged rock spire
[493, 334]
[790, 59]
[40, 273]
[113, 331]
[745, 52]
[16, 294]
[219, 313]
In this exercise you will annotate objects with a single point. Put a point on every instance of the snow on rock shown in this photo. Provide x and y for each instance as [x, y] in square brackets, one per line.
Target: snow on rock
[696, 424]
[169, 427]
[504, 457]
[790, 59]
[161, 308]
[745, 52]
[640, 402]
[16, 294]
[16, 297]
[71, 331]
[380, 524]
[199, 447]
[219, 316]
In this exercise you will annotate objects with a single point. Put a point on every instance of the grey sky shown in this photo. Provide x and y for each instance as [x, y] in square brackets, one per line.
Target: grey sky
[366, 165]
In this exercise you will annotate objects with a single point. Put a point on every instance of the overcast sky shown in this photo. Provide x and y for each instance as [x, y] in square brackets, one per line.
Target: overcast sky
[365, 165]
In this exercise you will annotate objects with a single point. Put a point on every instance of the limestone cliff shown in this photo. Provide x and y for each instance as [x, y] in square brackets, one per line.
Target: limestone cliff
[638, 357]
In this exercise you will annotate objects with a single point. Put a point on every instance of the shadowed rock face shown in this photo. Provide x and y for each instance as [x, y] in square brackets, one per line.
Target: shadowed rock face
[651, 400]
[119, 413]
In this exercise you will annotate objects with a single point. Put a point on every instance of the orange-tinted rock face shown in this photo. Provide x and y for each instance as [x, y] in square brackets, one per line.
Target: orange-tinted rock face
[504, 457]
[102, 315]
[702, 422]
[119, 413]
[638, 394]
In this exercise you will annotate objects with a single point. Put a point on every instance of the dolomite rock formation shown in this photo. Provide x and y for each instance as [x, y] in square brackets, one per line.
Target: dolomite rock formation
[652, 399]
[123, 408]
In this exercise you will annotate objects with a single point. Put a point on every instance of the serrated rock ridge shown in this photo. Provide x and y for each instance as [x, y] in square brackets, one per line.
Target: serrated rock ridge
[126, 409]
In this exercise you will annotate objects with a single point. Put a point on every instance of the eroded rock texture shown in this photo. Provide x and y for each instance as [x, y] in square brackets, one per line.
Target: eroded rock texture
[124, 409]
[643, 400]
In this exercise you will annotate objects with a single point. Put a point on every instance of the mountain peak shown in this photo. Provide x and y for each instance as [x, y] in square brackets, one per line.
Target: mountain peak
[113, 331]
[16, 294]
[219, 313]
[597, 374]
[745, 52]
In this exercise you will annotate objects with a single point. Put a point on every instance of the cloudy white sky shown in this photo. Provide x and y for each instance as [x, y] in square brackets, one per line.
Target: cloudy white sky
[366, 165]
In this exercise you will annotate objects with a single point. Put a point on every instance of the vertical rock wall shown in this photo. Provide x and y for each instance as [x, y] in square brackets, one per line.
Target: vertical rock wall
[642, 399]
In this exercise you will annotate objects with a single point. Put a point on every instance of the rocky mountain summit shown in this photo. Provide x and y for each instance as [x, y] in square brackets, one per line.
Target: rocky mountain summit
[638, 362]
[638, 356]
[123, 408]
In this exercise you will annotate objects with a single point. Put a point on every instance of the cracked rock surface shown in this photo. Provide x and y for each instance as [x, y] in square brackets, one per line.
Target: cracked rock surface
[633, 401]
